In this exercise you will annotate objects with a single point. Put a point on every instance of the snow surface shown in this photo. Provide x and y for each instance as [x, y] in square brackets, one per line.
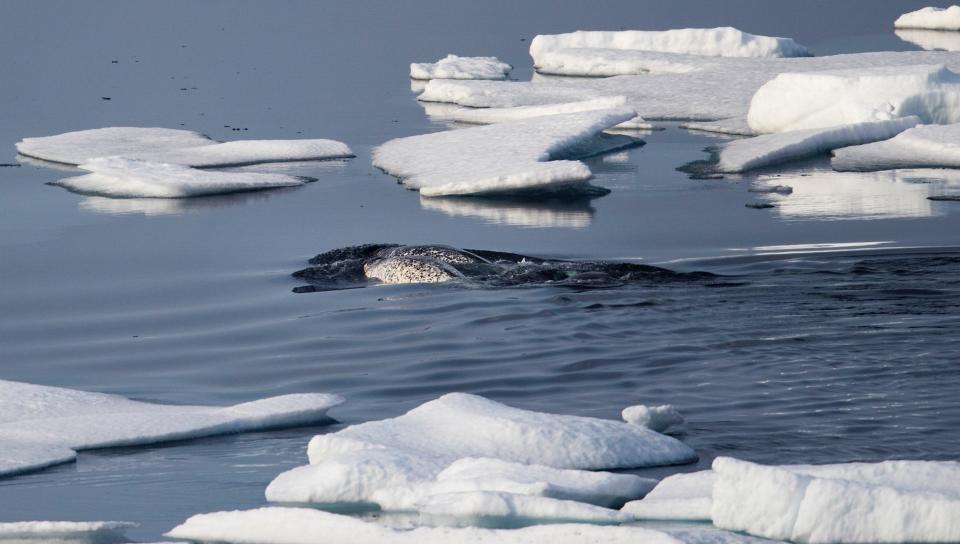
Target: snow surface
[476, 507]
[927, 146]
[931, 18]
[677, 497]
[277, 525]
[53, 532]
[485, 116]
[797, 101]
[125, 178]
[41, 426]
[454, 67]
[352, 465]
[893, 501]
[173, 146]
[770, 149]
[715, 88]
[501, 158]
[710, 42]
[657, 418]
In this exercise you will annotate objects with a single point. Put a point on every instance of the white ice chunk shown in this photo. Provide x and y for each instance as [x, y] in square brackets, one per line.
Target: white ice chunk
[931, 18]
[353, 464]
[40, 426]
[473, 506]
[712, 42]
[797, 101]
[454, 67]
[124, 178]
[657, 418]
[714, 87]
[927, 146]
[770, 149]
[73, 532]
[502, 158]
[308, 526]
[893, 501]
[485, 116]
[677, 497]
[173, 146]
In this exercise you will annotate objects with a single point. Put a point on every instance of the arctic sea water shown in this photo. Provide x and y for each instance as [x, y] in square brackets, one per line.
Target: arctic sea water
[795, 356]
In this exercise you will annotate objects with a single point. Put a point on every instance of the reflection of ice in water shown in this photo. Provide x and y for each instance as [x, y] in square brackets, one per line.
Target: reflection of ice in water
[418, 85]
[860, 195]
[172, 206]
[577, 214]
[931, 40]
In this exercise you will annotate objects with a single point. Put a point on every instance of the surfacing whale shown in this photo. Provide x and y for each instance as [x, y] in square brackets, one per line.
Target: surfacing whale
[368, 264]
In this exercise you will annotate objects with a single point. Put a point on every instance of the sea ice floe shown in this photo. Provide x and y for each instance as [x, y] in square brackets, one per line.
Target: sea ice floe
[557, 53]
[931, 18]
[715, 88]
[66, 532]
[117, 177]
[352, 465]
[657, 418]
[677, 497]
[485, 116]
[504, 158]
[278, 525]
[474, 508]
[166, 145]
[927, 146]
[454, 67]
[798, 101]
[41, 426]
[770, 149]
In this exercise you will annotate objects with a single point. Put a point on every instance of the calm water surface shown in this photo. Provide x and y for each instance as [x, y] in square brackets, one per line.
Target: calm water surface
[831, 337]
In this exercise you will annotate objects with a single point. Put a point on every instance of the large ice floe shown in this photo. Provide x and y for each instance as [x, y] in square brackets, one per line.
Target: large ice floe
[485, 116]
[463, 443]
[503, 158]
[592, 52]
[891, 501]
[454, 67]
[42, 426]
[931, 18]
[65, 532]
[927, 146]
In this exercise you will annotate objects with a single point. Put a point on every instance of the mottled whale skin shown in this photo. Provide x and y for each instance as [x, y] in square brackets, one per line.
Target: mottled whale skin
[359, 266]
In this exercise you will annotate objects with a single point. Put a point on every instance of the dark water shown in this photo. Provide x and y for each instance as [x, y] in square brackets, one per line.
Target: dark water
[832, 335]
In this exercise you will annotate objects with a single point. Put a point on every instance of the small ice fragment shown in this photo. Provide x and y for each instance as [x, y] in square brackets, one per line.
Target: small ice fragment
[72, 532]
[926, 146]
[454, 67]
[677, 497]
[931, 18]
[655, 418]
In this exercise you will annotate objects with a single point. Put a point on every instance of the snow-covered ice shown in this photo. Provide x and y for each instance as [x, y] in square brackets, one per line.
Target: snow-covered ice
[508, 157]
[482, 507]
[350, 466]
[41, 426]
[770, 149]
[73, 532]
[685, 496]
[454, 67]
[797, 101]
[657, 418]
[715, 88]
[278, 525]
[550, 52]
[485, 116]
[892, 501]
[176, 146]
[926, 146]
[931, 18]
[125, 178]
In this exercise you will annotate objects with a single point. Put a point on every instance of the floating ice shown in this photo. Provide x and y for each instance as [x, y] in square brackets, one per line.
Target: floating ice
[125, 178]
[41, 426]
[173, 146]
[550, 52]
[677, 497]
[893, 501]
[931, 18]
[508, 157]
[454, 67]
[770, 149]
[276, 525]
[481, 507]
[798, 101]
[484, 116]
[656, 418]
[931, 40]
[54, 532]
[713, 89]
[353, 464]
[927, 146]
